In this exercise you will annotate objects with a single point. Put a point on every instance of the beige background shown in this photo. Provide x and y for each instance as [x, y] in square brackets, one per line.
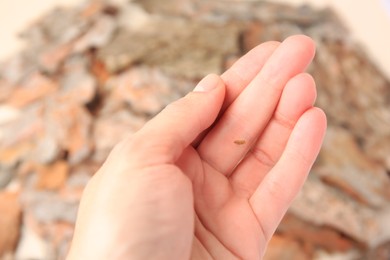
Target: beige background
[368, 20]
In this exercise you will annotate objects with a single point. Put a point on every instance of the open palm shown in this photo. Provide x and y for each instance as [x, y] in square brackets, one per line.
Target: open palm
[212, 175]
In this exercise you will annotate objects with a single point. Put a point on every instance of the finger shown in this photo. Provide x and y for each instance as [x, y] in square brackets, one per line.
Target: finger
[237, 77]
[243, 71]
[247, 116]
[298, 96]
[281, 185]
[163, 139]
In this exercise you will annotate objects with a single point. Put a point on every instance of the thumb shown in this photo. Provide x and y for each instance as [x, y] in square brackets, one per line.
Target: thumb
[163, 139]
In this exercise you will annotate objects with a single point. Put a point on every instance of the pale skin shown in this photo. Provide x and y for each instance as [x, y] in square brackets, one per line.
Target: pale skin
[211, 176]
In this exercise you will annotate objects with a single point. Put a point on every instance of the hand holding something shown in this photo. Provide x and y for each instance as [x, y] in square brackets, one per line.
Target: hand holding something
[176, 191]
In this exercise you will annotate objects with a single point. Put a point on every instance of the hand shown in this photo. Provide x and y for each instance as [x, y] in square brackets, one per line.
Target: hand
[211, 176]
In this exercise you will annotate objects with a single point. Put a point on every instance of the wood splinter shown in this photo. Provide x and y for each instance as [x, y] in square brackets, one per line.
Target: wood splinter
[240, 142]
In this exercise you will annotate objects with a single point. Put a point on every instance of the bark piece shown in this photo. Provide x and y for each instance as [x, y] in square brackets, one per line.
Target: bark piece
[10, 220]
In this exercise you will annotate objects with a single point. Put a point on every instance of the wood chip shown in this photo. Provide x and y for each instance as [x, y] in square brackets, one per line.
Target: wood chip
[240, 142]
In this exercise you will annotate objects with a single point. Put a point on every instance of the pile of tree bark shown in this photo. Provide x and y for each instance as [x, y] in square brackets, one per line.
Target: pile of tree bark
[92, 74]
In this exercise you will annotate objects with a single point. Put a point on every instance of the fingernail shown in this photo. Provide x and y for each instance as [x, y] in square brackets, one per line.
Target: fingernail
[208, 83]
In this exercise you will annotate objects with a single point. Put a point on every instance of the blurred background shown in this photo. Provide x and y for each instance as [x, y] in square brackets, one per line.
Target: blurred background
[76, 76]
[368, 21]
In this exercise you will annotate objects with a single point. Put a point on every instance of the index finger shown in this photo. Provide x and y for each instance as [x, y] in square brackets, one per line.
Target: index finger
[243, 71]
[240, 74]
